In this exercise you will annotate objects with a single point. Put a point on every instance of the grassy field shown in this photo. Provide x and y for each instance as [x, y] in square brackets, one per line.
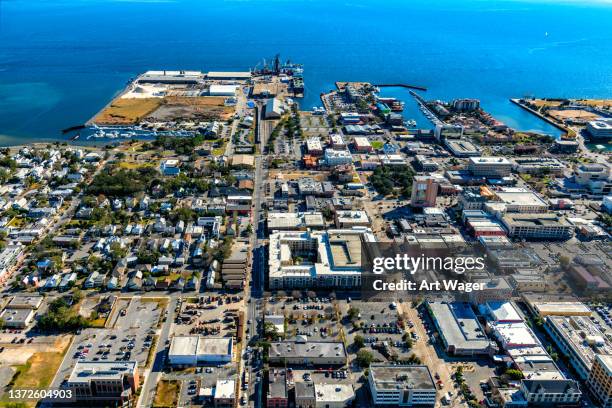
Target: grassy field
[133, 165]
[38, 371]
[166, 394]
[127, 111]
[377, 144]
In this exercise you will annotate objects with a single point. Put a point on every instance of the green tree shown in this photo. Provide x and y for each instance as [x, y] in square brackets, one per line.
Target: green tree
[364, 358]
[514, 374]
[359, 341]
[352, 313]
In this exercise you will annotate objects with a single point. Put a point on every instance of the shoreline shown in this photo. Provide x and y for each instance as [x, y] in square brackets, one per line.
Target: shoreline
[559, 126]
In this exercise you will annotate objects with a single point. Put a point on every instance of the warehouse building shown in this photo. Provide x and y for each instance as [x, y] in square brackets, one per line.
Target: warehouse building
[403, 386]
[299, 221]
[222, 90]
[307, 353]
[17, 318]
[195, 350]
[459, 329]
[273, 109]
[333, 395]
[521, 200]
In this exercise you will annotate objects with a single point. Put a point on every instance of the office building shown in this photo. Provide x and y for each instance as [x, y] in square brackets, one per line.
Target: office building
[336, 141]
[600, 380]
[426, 164]
[104, 381]
[471, 198]
[492, 167]
[600, 128]
[337, 157]
[337, 255]
[314, 146]
[424, 191]
[466, 105]
[546, 393]
[492, 289]
[362, 144]
[579, 340]
[537, 226]
[595, 177]
[304, 394]
[401, 386]
[224, 395]
[350, 219]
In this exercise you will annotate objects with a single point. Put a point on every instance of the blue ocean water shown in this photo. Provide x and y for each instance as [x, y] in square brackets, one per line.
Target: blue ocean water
[62, 60]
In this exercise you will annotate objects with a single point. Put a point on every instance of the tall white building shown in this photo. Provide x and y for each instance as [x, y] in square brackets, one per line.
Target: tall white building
[489, 166]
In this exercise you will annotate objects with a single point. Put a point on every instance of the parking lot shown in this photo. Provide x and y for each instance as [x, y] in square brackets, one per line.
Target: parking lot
[200, 379]
[208, 316]
[315, 318]
[378, 323]
[131, 338]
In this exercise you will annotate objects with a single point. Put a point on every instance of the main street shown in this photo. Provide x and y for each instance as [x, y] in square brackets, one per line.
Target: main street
[255, 288]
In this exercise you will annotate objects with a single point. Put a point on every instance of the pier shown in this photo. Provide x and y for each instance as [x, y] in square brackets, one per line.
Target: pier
[407, 86]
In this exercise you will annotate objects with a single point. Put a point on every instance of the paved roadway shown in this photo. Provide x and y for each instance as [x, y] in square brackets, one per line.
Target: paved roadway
[153, 375]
